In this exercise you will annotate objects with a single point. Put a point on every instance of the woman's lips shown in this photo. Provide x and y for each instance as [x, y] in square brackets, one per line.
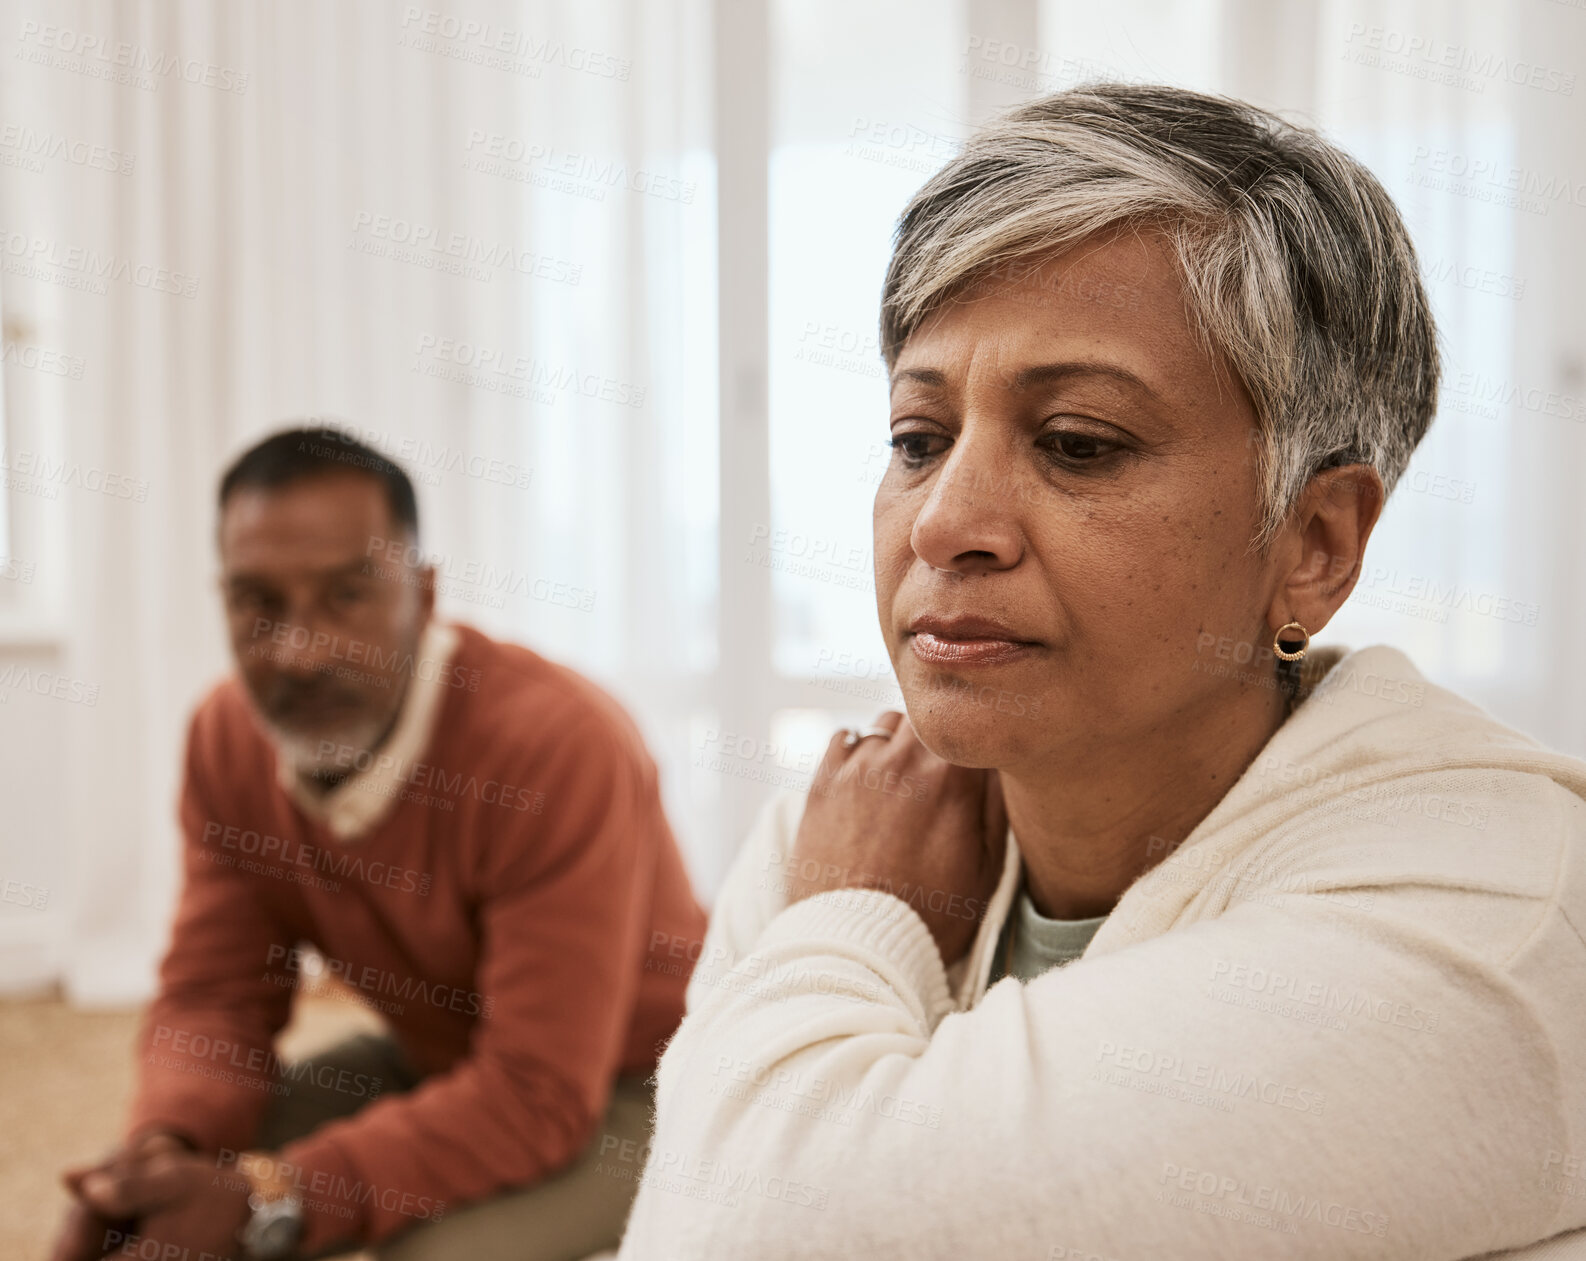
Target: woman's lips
[939, 650]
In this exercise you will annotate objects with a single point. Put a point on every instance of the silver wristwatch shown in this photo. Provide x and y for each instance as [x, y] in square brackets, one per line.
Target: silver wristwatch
[273, 1230]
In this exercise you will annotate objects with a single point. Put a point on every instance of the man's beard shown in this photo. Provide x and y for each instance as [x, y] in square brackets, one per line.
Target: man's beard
[325, 750]
[329, 752]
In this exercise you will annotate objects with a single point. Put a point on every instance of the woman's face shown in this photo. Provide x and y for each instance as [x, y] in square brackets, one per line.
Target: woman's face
[1062, 536]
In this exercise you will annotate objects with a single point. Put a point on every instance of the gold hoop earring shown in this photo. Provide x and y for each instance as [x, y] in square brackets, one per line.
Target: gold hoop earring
[1286, 647]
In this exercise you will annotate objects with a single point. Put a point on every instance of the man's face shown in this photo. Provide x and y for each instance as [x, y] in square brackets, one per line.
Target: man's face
[1073, 480]
[324, 627]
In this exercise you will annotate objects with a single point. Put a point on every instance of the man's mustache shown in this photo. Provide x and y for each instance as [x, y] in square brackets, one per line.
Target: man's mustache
[287, 695]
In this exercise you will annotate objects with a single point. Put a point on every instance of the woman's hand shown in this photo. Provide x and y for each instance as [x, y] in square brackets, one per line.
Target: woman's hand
[887, 813]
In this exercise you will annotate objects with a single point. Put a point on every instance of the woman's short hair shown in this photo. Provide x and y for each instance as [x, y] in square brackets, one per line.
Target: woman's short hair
[1296, 263]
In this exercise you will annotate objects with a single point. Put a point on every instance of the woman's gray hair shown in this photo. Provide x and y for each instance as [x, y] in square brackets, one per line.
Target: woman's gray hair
[1296, 263]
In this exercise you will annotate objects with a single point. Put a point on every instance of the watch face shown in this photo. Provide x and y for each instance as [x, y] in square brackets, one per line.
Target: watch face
[280, 1234]
[274, 1229]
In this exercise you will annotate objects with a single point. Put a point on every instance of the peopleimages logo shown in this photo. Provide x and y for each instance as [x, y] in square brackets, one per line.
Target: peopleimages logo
[1454, 596]
[370, 980]
[1336, 999]
[296, 853]
[1483, 179]
[134, 65]
[1437, 54]
[291, 638]
[480, 365]
[60, 687]
[44, 258]
[1289, 1202]
[584, 174]
[174, 1045]
[449, 786]
[340, 1190]
[1143, 1064]
[502, 48]
[455, 253]
[830, 1092]
[399, 555]
[425, 461]
[37, 147]
[34, 470]
[42, 359]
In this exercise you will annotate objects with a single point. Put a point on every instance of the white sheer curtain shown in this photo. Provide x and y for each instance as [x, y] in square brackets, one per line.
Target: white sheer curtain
[478, 235]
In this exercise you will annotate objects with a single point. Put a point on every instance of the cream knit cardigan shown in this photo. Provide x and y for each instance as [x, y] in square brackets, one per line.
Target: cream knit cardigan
[1346, 1017]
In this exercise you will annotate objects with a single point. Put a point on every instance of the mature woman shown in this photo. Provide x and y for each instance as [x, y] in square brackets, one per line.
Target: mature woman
[1203, 943]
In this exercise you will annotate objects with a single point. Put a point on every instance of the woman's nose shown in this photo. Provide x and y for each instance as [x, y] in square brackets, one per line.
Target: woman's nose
[969, 522]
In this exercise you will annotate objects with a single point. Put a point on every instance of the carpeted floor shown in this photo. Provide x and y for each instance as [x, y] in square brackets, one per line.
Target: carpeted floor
[65, 1083]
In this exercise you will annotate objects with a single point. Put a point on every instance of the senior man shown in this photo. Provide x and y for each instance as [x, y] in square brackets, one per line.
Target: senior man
[469, 837]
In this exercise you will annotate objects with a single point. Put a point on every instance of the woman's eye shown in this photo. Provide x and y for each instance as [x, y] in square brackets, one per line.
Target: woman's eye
[1080, 448]
[914, 448]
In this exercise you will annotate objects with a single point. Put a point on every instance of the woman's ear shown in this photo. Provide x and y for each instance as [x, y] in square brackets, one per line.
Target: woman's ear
[1326, 545]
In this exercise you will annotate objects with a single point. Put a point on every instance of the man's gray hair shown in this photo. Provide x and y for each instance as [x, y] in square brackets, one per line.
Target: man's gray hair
[1295, 261]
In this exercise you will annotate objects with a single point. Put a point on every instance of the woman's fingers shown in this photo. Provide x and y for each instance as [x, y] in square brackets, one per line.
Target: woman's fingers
[844, 745]
[837, 750]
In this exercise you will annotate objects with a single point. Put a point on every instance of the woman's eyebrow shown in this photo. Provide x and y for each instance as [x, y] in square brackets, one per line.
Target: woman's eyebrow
[1037, 375]
[1055, 373]
[919, 376]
